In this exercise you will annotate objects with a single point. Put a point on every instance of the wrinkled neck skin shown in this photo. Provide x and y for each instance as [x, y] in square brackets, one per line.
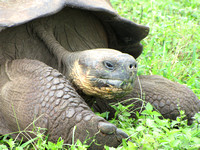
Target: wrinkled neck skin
[47, 36]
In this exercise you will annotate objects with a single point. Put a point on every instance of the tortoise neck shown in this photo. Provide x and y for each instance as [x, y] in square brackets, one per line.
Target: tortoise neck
[52, 44]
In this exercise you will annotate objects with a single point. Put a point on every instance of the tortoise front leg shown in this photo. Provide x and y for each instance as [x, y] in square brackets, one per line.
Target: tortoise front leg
[35, 95]
[166, 96]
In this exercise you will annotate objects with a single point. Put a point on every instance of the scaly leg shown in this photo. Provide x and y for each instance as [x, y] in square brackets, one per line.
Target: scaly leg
[35, 95]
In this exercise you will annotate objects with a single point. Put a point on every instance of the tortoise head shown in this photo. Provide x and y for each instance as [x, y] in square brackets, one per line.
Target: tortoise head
[105, 73]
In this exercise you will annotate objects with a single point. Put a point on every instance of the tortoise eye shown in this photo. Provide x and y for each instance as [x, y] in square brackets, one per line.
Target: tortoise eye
[109, 65]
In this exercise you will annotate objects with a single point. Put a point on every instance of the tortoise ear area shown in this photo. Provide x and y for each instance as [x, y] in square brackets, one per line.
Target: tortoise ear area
[81, 61]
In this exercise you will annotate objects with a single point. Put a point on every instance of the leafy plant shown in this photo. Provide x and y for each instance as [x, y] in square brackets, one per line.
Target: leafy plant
[152, 131]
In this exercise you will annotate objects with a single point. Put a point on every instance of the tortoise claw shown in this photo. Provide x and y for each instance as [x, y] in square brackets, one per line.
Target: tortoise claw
[106, 128]
[121, 135]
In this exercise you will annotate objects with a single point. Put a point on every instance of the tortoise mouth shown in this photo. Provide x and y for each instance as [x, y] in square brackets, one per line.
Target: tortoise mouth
[111, 88]
[125, 85]
[104, 88]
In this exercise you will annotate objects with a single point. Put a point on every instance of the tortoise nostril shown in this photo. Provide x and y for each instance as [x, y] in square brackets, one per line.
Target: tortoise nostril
[135, 65]
[132, 66]
[109, 65]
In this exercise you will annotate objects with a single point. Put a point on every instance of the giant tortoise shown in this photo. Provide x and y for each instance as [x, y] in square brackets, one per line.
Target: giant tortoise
[57, 57]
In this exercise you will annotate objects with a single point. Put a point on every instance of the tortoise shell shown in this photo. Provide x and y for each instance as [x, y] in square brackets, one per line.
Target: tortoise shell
[127, 33]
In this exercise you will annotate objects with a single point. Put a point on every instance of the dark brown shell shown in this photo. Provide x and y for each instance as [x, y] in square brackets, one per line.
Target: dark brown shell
[128, 34]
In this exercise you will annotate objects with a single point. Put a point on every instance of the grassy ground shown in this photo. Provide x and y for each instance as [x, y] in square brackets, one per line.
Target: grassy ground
[172, 50]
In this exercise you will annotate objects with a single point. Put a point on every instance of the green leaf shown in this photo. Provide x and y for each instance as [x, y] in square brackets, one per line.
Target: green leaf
[149, 107]
[28, 142]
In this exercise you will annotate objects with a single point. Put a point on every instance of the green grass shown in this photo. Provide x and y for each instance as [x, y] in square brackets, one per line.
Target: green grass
[172, 50]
